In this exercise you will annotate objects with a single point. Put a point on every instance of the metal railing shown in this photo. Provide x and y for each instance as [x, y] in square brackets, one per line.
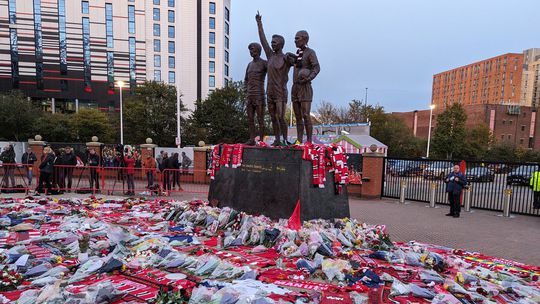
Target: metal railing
[491, 185]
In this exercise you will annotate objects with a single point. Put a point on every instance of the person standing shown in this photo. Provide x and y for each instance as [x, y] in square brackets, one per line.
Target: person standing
[59, 179]
[165, 173]
[175, 164]
[93, 163]
[8, 162]
[150, 165]
[129, 160]
[455, 182]
[535, 186]
[46, 169]
[70, 161]
[28, 160]
[186, 162]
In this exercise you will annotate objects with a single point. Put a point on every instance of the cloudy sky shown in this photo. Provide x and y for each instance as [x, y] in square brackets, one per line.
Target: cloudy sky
[392, 47]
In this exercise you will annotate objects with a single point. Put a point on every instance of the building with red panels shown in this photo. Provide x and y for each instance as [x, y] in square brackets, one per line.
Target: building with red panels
[495, 80]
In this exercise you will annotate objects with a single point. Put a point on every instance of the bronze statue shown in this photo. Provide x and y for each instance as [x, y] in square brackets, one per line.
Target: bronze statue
[306, 68]
[278, 74]
[254, 86]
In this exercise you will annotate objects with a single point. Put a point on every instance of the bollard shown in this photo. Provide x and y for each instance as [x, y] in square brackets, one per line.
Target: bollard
[507, 202]
[432, 195]
[468, 199]
[402, 192]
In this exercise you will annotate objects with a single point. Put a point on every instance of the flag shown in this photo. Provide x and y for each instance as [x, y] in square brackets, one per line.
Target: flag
[294, 221]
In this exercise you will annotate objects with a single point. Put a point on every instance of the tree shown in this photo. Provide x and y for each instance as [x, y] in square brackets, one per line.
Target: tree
[356, 111]
[449, 135]
[151, 112]
[220, 118]
[327, 113]
[477, 143]
[92, 122]
[56, 127]
[17, 117]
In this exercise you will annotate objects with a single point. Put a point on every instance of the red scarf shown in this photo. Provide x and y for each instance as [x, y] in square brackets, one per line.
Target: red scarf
[215, 161]
[238, 152]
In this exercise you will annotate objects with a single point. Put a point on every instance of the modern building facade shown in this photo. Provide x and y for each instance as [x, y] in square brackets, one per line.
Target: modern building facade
[71, 53]
[498, 80]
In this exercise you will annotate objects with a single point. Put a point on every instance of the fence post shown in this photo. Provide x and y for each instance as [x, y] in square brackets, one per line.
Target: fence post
[403, 187]
[432, 195]
[507, 203]
[468, 199]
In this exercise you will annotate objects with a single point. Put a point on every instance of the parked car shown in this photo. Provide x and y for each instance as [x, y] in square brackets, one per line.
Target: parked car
[520, 176]
[409, 169]
[438, 170]
[479, 174]
[501, 168]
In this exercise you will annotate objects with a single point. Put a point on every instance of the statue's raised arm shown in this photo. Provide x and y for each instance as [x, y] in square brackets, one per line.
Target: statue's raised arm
[266, 47]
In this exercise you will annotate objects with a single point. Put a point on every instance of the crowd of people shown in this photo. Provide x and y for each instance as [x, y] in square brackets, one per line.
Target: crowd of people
[56, 168]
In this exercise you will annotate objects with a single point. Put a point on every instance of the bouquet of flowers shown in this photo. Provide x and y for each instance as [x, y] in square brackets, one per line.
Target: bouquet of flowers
[9, 279]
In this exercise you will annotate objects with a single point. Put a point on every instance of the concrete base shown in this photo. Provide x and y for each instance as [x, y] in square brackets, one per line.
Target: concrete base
[271, 181]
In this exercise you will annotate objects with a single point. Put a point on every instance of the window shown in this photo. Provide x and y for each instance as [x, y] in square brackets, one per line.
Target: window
[171, 3]
[14, 44]
[227, 56]
[212, 8]
[131, 19]
[211, 67]
[212, 38]
[157, 75]
[109, 24]
[172, 77]
[227, 14]
[502, 136]
[171, 47]
[212, 81]
[171, 31]
[509, 136]
[226, 70]
[212, 52]
[504, 121]
[170, 16]
[110, 70]
[62, 37]
[87, 73]
[157, 30]
[156, 2]
[156, 14]
[521, 141]
[132, 63]
[510, 121]
[227, 28]
[157, 61]
[522, 127]
[38, 36]
[157, 45]
[85, 7]
[172, 62]
[212, 24]
[226, 42]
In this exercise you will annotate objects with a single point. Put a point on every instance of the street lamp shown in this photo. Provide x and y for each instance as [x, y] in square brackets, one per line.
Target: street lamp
[431, 107]
[121, 84]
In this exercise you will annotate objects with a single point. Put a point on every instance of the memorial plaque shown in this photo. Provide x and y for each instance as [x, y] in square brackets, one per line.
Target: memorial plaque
[270, 181]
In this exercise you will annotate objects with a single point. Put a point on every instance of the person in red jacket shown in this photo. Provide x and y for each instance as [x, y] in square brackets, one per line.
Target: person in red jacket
[129, 160]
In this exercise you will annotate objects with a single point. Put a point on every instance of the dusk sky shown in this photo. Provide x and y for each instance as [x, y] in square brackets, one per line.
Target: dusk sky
[392, 47]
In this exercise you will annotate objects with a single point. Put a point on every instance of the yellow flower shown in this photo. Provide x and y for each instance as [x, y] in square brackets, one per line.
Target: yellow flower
[59, 259]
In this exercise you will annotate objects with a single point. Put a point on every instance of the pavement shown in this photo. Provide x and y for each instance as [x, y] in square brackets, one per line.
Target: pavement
[515, 238]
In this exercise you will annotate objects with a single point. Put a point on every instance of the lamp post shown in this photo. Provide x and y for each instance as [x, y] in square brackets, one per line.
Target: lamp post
[431, 107]
[120, 84]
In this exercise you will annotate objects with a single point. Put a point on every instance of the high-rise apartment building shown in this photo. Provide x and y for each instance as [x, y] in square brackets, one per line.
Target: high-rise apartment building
[495, 80]
[530, 86]
[75, 51]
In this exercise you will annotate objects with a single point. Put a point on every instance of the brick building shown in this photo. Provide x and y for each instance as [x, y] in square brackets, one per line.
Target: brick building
[508, 79]
[515, 125]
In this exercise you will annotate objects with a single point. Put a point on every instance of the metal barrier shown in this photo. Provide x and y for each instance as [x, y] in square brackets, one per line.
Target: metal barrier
[15, 178]
[104, 180]
[488, 179]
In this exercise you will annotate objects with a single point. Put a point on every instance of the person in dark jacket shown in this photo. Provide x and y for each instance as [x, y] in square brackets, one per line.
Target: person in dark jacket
[166, 173]
[93, 163]
[455, 182]
[58, 178]
[28, 160]
[70, 161]
[175, 164]
[8, 163]
[46, 169]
